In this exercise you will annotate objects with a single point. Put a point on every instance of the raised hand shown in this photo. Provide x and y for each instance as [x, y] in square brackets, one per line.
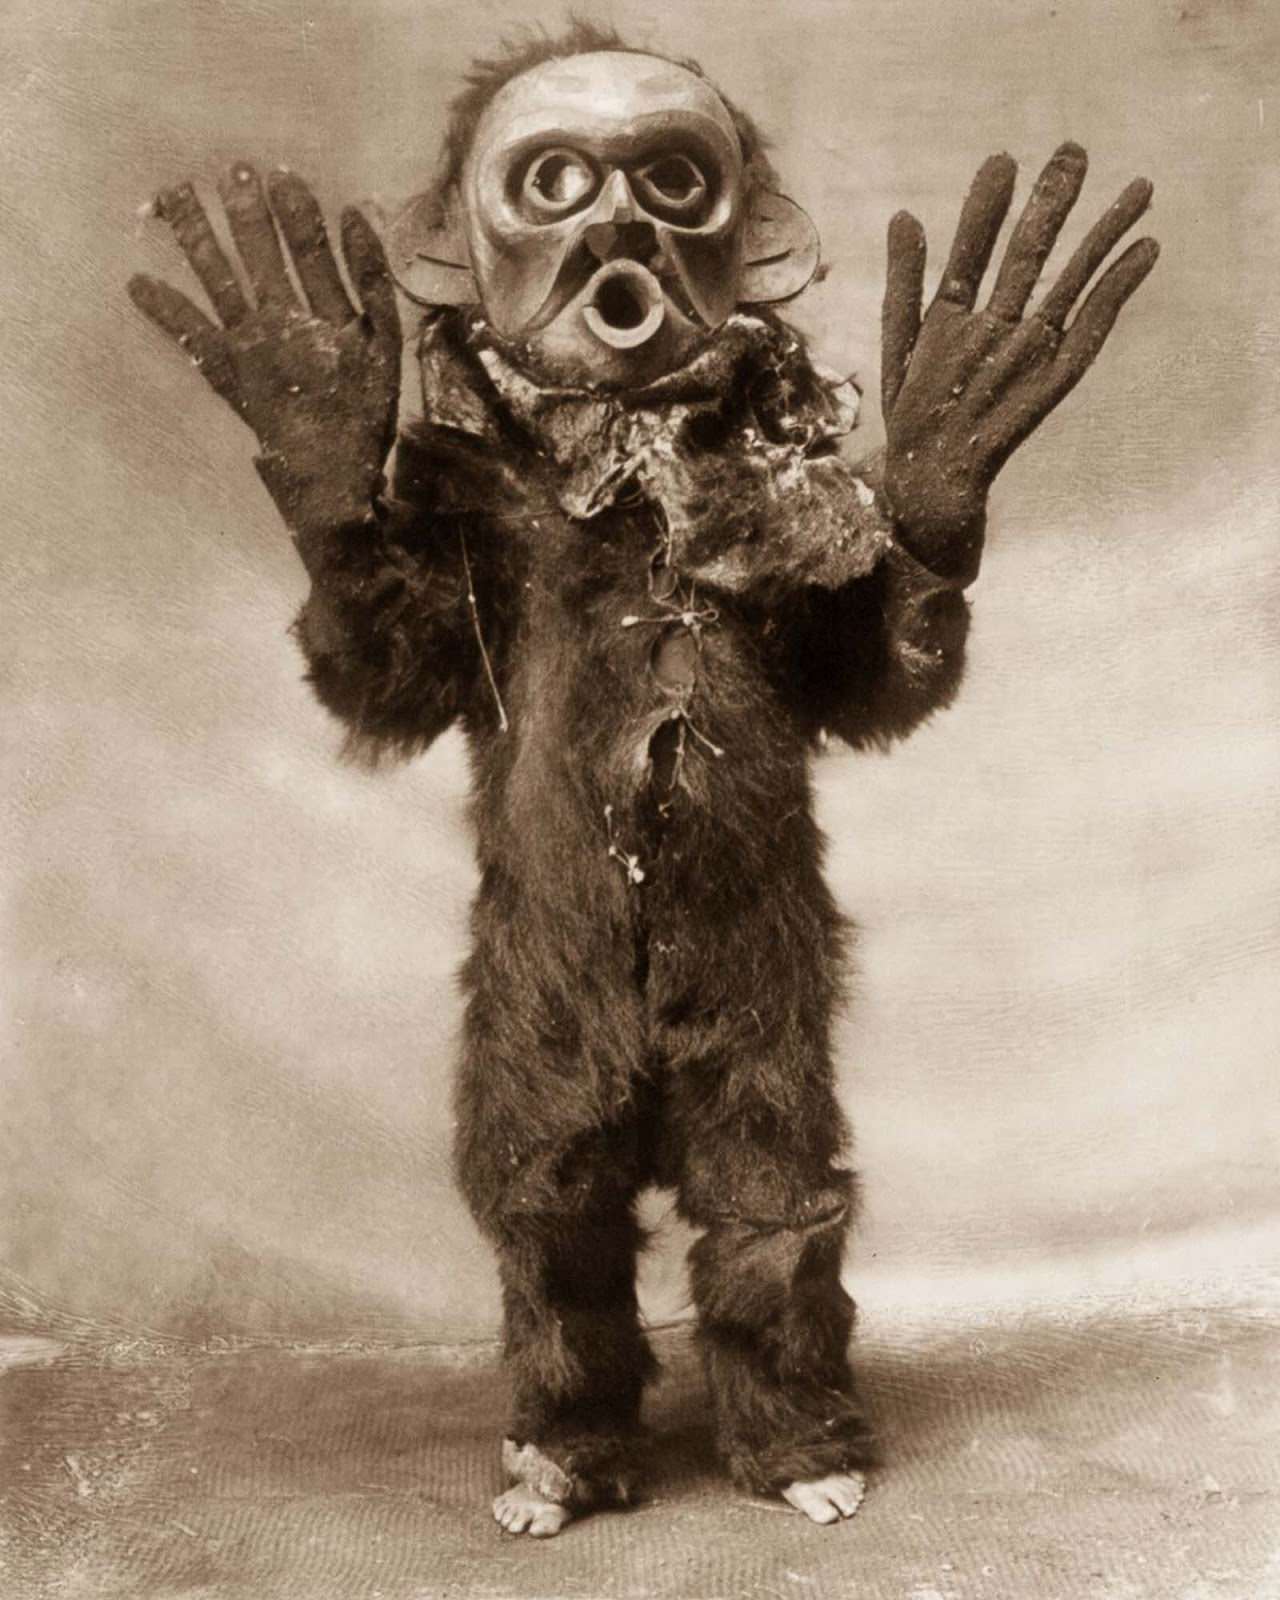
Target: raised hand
[316, 378]
[962, 388]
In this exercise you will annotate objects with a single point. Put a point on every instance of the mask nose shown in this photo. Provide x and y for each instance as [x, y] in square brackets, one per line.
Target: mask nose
[635, 241]
[600, 238]
[614, 210]
[616, 202]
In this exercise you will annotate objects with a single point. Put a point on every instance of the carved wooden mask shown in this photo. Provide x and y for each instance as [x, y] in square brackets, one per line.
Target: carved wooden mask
[605, 221]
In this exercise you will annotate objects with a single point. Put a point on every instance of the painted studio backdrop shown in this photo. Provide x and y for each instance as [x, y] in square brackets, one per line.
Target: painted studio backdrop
[229, 958]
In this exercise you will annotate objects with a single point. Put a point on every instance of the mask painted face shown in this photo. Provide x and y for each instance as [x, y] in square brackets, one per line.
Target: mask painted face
[608, 222]
[605, 193]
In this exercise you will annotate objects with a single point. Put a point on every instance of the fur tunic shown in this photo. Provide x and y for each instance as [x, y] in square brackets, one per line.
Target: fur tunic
[647, 611]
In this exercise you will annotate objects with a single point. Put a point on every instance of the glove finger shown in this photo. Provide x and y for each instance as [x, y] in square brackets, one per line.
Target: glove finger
[1026, 407]
[1056, 191]
[983, 213]
[367, 263]
[903, 294]
[181, 209]
[1093, 251]
[255, 235]
[188, 326]
[302, 223]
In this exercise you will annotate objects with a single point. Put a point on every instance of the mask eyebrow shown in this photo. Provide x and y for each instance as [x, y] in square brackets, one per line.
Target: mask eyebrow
[629, 139]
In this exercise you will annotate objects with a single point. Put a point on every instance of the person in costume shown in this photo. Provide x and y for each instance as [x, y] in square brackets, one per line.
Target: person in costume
[622, 546]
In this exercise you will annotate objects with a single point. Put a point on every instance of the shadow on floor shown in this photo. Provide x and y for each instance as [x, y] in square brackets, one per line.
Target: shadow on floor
[1044, 1461]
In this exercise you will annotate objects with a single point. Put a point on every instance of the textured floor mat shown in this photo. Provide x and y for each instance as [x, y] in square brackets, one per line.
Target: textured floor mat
[1041, 1461]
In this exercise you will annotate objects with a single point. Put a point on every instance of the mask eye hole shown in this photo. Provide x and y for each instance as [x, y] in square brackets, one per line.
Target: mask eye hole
[673, 186]
[558, 182]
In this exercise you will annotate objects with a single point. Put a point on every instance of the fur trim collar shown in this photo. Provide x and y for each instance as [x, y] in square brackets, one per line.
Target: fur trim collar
[738, 448]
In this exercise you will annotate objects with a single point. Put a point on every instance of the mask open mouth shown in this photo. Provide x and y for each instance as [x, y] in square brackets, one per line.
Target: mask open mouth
[626, 305]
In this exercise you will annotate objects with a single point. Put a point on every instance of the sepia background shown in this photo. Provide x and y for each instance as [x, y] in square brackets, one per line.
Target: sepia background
[228, 958]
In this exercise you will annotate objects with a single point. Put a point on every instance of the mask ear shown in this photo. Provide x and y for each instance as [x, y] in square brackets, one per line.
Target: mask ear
[429, 258]
[781, 250]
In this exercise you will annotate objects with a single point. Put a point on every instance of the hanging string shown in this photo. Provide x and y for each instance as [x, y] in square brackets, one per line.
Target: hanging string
[475, 623]
[630, 864]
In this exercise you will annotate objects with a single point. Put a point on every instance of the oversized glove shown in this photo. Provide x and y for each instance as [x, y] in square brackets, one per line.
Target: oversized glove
[315, 377]
[962, 388]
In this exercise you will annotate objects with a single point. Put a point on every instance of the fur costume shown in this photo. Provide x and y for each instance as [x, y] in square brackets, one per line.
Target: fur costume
[646, 611]
[646, 599]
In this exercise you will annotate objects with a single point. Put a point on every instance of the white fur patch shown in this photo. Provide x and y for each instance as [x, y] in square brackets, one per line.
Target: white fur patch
[525, 1463]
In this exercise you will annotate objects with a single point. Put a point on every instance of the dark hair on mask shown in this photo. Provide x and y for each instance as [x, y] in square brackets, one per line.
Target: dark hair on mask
[530, 47]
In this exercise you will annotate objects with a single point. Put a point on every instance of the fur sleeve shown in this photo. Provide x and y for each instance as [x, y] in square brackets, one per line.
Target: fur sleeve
[871, 660]
[388, 630]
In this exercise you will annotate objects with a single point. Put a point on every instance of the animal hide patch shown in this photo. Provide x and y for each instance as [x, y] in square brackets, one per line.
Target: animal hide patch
[737, 450]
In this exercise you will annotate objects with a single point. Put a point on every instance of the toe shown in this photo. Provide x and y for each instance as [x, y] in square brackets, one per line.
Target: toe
[846, 1492]
[520, 1510]
[827, 1499]
[548, 1522]
[511, 1513]
[809, 1498]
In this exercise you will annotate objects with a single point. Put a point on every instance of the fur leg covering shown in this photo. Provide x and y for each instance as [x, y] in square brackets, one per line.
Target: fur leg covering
[577, 1358]
[549, 1155]
[774, 1324]
[550, 1167]
[774, 1319]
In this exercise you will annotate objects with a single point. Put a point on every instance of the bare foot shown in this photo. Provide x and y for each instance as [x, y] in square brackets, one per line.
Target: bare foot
[521, 1509]
[827, 1499]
